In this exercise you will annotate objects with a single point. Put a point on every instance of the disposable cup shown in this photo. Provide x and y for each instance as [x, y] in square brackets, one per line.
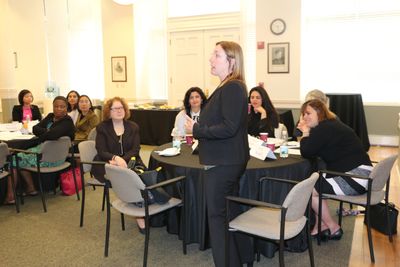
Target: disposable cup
[264, 136]
[189, 139]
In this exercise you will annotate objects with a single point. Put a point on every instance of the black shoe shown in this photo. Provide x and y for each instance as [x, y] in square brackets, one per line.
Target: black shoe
[336, 235]
[324, 235]
[141, 230]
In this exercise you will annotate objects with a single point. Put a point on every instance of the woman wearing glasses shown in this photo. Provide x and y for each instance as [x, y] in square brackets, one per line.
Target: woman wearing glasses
[117, 140]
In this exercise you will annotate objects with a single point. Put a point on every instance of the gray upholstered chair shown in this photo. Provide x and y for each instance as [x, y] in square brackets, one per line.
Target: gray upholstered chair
[378, 178]
[92, 134]
[87, 150]
[129, 189]
[4, 174]
[274, 222]
[51, 151]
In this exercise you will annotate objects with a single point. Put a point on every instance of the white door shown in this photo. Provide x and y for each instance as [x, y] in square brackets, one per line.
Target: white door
[185, 64]
[188, 60]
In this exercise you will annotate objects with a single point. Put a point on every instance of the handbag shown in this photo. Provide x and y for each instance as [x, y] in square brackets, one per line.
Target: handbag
[378, 219]
[67, 181]
[151, 178]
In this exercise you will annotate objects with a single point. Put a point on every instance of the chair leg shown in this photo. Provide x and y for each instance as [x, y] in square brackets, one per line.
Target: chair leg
[388, 224]
[122, 222]
[108, 222]
[14, 192]
[184, 230]
[146, 241]
[104, 199]
[340, 213]
[319, 218]
[281, 249]
[75, 183]
[310, 249]
[41, 192]
[371, 248]
[83, 198]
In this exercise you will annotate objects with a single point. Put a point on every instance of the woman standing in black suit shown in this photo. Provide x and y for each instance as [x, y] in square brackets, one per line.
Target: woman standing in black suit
[224, 148]
[25, 108]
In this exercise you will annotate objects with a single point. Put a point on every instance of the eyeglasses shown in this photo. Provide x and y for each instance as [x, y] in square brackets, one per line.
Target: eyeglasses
[117, 108]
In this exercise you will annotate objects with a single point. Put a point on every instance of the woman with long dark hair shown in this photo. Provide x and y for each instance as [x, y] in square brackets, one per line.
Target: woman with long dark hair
[263, 117]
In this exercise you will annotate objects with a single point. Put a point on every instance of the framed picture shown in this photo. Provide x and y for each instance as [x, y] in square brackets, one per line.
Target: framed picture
[118, 69]
[278, 58]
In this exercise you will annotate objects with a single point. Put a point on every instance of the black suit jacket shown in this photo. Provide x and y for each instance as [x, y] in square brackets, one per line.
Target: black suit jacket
[17, 113]
[62, 127]
[222, 128]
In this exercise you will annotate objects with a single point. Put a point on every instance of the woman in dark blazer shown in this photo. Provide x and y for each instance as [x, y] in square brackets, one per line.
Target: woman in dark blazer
[224, 149]
[117, 140]
[25, 108]
[263, 117]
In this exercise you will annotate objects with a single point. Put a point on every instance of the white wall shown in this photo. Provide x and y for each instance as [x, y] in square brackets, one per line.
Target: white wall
[118, 40]
[283, 88]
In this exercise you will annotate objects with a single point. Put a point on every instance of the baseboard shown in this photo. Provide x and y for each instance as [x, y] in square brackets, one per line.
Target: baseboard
[384, 140]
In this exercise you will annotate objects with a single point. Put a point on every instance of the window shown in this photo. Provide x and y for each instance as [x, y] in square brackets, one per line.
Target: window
[352, 46]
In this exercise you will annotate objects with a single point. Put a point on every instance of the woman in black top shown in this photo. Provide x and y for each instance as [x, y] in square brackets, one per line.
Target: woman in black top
[25, 108]
[263, 117]
[54, 126]
[117, 140]
[339, 147]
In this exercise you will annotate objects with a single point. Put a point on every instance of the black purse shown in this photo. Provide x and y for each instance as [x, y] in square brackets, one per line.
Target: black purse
[151, 178]
[378, 219]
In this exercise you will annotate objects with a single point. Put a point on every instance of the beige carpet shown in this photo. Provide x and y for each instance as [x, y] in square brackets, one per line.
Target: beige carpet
[34, 238]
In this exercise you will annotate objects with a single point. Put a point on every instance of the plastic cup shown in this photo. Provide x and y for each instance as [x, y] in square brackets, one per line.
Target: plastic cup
[189, 139]
[271, 146]
[264, 136]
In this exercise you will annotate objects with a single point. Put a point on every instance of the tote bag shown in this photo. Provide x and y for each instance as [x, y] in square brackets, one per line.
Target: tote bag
[67, 181]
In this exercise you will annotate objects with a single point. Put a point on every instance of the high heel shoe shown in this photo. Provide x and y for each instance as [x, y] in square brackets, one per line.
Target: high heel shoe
[336, 235]
[141, 230]
[324, 235]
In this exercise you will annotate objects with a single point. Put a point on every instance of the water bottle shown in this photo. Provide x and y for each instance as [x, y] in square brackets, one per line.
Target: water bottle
[176, 142]
[132, 162]
[284, 151]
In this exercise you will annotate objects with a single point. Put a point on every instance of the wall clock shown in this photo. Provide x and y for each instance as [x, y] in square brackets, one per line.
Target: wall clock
[278, 26]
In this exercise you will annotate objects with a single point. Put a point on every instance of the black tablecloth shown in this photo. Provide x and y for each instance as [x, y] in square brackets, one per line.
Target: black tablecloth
[155, 125]
[294, 168]
[350, 110]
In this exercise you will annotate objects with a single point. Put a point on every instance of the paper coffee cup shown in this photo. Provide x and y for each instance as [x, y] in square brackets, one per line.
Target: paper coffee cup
[264, 136]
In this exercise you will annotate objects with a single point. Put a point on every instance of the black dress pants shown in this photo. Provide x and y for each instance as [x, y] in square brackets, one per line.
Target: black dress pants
[222, 181]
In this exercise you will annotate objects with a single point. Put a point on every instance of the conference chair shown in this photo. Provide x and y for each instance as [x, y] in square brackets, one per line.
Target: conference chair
[6, 158]
[378, 178]
[129, 189]
[274, 222]
[50, 151]
[88, 151]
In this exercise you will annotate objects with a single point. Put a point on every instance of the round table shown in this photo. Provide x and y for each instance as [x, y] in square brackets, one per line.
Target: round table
[186, 163]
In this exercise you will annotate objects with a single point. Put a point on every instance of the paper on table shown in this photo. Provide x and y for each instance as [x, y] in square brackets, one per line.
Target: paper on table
[259, 151]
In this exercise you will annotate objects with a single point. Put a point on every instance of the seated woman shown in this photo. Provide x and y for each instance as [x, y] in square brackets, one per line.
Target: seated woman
[52, 127]
[87, 119]
[263, 117]
[25, 109]
[335, 143]
[313, 94]
[117, 140]
[194, 101]
[72, 98]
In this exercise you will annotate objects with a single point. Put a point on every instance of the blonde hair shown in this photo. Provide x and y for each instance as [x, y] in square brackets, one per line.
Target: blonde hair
[234, 51]
[317, 94]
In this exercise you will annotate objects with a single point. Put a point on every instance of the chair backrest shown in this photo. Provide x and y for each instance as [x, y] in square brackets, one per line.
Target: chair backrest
[126, 184]
[3, 154]
[297, 199]
[278, 131]
[56, 150]
[92, 134]
[381, 173]
[87, 152]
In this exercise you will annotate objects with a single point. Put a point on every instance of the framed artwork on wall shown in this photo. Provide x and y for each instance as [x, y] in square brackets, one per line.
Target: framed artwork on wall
[118, 69]
[278, 58]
